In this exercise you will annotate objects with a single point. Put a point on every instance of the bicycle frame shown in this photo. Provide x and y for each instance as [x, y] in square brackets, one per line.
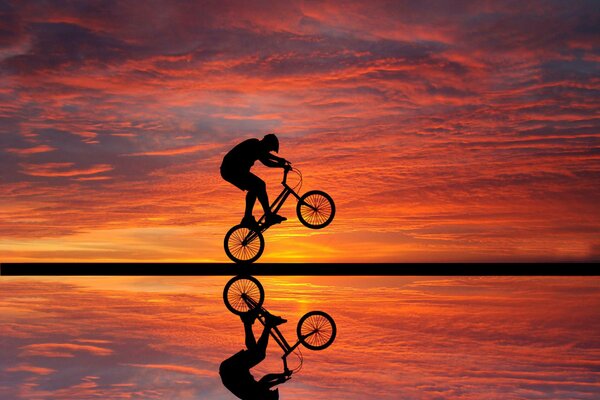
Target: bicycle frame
[275, 332]
[276, 205]
[278, 202]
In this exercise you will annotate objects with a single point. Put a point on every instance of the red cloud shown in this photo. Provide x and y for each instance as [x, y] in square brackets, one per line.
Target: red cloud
[178, 368]
[61, 350]
[62, 169]
[180, 150]
[31, 369]
[31, 150]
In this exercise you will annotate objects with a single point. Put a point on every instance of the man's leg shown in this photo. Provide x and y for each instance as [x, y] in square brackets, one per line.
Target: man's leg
[258, 349]
[258, 188]
[250, 340]
[250, 200]
[264, 199]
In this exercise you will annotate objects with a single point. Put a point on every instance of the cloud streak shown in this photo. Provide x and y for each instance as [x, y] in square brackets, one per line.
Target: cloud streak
[61, 350]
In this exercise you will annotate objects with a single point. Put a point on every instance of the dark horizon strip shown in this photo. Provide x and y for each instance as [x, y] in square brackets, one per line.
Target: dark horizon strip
[301, 269]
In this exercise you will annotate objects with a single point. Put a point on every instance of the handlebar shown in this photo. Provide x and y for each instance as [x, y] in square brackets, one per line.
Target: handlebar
[286, 169]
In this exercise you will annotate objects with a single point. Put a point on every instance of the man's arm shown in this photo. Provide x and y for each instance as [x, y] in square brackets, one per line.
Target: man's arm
[273, 161]
[271, 380]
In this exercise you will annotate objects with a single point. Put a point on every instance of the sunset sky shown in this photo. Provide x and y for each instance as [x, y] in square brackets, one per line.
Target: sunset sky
[444, 131]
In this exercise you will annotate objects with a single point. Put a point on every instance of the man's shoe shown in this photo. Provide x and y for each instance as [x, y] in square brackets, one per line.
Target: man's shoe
[274, 219]
[274, 320]
[250, 222]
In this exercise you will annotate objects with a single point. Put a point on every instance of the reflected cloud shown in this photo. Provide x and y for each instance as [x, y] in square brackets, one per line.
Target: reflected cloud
[177, 368]
[61, 350]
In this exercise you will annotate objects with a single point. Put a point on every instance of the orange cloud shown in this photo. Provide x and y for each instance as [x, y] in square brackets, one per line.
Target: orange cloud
[180, 150]
[31, 150]
[31, 369]
[177, 368]
[61, 350]
[62, 169]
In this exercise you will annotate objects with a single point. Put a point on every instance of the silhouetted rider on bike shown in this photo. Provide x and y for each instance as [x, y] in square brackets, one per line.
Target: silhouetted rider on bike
[235, 371]
[235, 169]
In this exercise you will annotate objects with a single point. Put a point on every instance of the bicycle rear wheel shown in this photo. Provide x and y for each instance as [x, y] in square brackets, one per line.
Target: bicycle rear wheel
[316, 330]
[242, 294]
[315, 209]
[244, 245]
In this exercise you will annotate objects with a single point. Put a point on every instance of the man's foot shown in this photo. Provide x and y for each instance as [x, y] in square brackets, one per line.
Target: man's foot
[274, 320]
[249, 317]
[274, 219]
[250, 222]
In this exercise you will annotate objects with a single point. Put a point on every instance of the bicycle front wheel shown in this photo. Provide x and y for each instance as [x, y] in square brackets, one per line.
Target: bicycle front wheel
[315, 209]
[316, 330]
[242, 294]
[244, 245]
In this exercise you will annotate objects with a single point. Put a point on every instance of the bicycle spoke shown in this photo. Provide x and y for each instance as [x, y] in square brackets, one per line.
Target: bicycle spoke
[237, 291]
[316, 210]
[317, 330]
[244, 244]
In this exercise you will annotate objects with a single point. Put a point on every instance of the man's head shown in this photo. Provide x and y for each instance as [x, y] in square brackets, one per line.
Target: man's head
[271, 142]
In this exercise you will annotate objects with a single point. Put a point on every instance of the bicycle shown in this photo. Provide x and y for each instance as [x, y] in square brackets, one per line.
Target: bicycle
[316, 330]
[315, 210]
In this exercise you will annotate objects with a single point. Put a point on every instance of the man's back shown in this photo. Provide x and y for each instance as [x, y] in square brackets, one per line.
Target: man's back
[236, 376]
[243, 156]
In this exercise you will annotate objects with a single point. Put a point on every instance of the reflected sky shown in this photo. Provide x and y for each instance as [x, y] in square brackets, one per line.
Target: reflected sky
[398, 337]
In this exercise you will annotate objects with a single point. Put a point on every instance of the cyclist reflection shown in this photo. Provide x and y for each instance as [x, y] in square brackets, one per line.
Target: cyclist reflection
[235, 371]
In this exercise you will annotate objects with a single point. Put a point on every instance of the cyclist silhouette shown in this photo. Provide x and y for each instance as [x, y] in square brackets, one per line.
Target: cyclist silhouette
[235, 371]
[235, 169]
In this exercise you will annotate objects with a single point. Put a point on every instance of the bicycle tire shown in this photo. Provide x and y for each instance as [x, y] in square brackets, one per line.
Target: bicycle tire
[315, 209]
[238, 286]
[320, 327]
[238, 249]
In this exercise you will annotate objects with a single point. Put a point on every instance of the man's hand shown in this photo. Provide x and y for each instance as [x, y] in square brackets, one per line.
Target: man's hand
[284, 378]
[286, 164]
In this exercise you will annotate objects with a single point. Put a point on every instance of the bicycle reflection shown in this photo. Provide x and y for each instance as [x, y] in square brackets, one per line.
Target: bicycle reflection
[244, 296]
